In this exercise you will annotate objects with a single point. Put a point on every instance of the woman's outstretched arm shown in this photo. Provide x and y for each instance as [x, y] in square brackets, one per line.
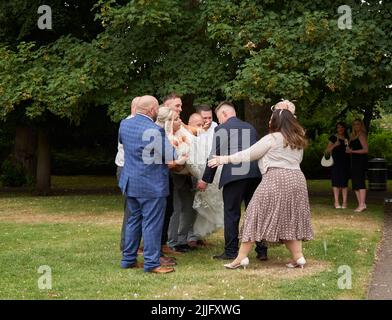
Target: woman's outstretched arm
[255, 152]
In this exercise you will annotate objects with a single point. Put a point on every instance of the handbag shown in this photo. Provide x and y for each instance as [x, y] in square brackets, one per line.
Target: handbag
[327, 161]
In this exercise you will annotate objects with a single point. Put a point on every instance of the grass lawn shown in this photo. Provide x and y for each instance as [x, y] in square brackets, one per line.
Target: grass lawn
[77, 235]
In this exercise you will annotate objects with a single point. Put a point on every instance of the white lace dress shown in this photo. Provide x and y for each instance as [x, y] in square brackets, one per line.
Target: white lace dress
[208, 204]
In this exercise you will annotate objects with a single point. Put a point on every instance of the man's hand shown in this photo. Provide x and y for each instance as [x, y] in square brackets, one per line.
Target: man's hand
[201, 185]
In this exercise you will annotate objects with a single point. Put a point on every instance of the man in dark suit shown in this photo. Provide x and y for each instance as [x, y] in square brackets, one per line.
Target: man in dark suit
[238, 181]
[145, 182]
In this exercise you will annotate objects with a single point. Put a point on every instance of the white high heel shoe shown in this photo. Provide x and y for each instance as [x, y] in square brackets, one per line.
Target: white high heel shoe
[243, 263]
[297, 264]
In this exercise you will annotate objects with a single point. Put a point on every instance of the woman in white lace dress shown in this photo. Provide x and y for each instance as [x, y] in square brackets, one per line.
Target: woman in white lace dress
[186, 140]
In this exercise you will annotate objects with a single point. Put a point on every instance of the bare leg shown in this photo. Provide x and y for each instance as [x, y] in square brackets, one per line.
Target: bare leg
[336, 196]
[344, 194]
[358, 197]
[362, 197]
[295, 248]
[243, 252]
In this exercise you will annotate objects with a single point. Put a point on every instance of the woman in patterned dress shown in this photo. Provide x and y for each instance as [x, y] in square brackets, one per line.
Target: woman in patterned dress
[279, 210]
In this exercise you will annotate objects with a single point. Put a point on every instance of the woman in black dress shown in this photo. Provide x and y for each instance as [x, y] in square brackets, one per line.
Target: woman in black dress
[358, 148]
[340, 170]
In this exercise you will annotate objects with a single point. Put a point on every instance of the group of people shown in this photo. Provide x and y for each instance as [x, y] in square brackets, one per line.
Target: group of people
[183, 181]
[349, 154]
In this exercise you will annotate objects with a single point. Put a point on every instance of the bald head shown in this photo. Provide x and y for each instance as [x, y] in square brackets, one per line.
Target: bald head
[148, 105]
[134, 104]
[196, 120]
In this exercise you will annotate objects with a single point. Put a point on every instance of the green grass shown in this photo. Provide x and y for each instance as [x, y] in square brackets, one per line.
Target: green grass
[78, 237]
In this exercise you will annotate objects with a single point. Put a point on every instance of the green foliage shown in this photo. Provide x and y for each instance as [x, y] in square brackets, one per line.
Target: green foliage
[312, 156]
[380, 146]
[13, 175]
[254, 50]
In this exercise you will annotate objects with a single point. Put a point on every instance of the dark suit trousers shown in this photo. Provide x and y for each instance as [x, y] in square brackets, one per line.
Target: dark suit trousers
[233, 194]
[168, 213]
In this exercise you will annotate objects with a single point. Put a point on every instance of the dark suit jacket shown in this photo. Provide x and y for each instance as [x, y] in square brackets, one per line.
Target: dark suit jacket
[233, 136]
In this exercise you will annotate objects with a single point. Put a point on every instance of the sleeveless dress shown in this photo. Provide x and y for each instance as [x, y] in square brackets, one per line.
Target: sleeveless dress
[340, 170]
[358, 166]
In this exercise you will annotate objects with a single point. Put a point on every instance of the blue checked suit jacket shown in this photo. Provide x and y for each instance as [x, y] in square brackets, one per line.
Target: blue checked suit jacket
[146, 149]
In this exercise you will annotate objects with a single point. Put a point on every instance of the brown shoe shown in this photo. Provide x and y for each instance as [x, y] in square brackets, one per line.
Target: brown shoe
[202, 243]
[162, 270]
[138, 265]
[193, 244]
[167, 262]
[167, 250]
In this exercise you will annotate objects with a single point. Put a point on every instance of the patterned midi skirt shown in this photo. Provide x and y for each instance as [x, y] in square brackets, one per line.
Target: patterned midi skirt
[279, 209]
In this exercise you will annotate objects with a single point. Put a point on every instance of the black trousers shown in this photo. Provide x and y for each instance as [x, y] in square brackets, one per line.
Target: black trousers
[234, 193]
[168, 213]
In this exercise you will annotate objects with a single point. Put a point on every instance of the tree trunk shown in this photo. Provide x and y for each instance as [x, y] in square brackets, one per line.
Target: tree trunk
[25, 146]
[258, 116]
[43, 163]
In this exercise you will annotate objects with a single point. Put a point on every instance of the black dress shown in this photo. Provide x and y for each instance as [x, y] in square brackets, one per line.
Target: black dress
[340, 170]
[358, 166]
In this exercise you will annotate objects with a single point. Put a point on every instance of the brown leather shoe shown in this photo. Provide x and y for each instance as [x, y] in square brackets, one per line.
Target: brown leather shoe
[162, 270]
[167, 250]
[138, 265]
[193, 244]
[167, 262]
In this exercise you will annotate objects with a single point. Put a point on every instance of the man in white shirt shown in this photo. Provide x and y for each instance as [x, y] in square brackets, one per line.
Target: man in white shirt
[209, 125]
[119, 161]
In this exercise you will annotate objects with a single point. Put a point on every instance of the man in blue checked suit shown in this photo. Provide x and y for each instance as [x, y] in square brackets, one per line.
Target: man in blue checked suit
[145, 182]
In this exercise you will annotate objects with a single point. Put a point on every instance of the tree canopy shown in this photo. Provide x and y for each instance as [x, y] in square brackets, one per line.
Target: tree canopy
[102, 53]
[256, 50]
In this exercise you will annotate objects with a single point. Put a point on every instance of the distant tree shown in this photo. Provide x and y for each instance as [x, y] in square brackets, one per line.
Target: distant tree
[43, 73]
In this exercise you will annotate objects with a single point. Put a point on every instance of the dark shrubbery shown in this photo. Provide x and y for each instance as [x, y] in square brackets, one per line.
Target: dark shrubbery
[312, 156]
[83, 161]
[14, 175]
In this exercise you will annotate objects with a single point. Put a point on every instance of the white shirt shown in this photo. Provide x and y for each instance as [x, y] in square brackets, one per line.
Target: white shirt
[271, 153]
[208, 136]
[120, 151]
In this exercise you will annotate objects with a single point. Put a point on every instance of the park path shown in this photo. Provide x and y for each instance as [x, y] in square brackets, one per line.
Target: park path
[381, 284]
